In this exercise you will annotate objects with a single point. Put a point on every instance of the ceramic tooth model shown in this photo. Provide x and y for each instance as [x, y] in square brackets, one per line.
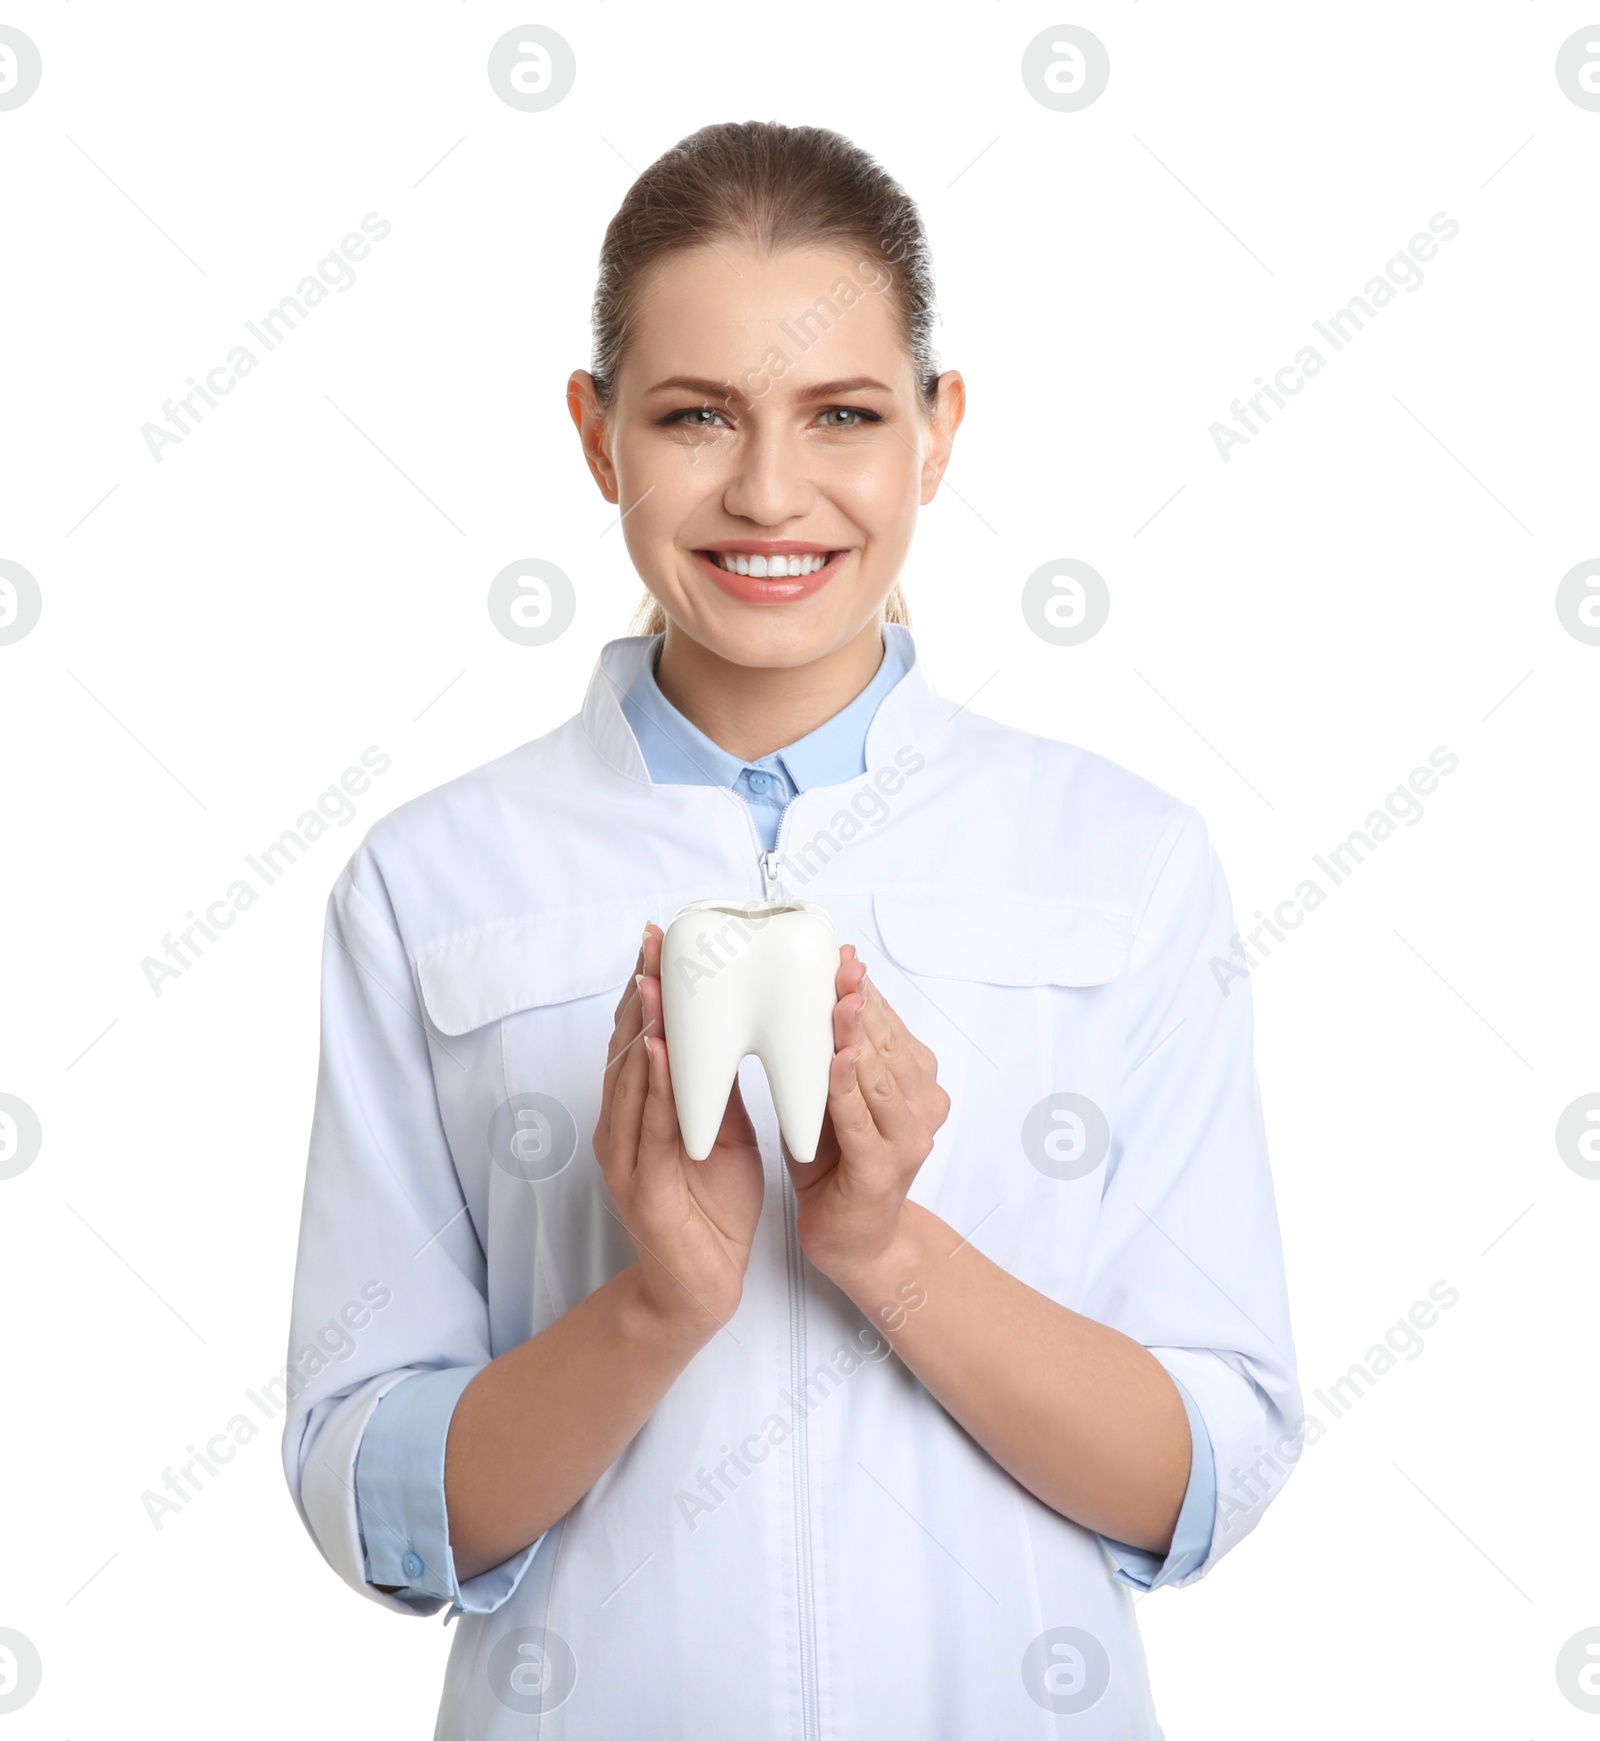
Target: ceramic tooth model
[749, 976]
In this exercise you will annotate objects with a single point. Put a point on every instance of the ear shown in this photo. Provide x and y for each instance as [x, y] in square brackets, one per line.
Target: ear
[588, 416]
[944, 421]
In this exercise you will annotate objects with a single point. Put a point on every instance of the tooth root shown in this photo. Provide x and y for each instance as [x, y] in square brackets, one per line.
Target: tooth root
[800, 1094]
[795, 1044]
[702, 1067]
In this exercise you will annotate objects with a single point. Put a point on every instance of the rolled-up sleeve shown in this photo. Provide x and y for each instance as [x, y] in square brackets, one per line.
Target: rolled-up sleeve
[1189, 1258]
[1191, 1535]
[389, 1321]
[400, 1497]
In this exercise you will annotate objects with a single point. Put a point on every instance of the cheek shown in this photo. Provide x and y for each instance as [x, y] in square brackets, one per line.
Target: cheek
[879, 488]
[663, 484]
[656, 460]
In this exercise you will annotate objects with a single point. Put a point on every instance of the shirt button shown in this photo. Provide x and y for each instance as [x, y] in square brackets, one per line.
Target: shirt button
[413, 1565]
[759, 781]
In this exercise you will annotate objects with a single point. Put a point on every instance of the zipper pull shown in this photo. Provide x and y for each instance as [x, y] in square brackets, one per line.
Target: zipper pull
[769, 874]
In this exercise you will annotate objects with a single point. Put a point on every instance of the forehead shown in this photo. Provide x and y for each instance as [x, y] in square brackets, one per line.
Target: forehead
[729, 312]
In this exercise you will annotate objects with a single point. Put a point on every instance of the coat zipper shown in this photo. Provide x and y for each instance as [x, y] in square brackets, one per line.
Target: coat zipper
[804, 1590]
[805, 1593]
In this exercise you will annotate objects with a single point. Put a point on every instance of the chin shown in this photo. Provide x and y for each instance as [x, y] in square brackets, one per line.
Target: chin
[763, 642]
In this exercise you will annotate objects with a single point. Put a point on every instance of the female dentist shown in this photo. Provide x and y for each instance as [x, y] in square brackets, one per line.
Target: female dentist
[875, 1446]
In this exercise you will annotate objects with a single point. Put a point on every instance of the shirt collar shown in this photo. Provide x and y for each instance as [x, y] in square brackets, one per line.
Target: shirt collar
[836, 750]
[676, 750]
[907, 712]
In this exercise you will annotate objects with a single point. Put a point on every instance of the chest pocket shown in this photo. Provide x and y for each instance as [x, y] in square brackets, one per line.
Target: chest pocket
[1020, 999]
[528, 963]
[522, 1014]
[1003, 939]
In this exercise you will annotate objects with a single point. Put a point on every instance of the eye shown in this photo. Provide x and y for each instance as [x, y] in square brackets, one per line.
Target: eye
[690, 417]
[856, 411]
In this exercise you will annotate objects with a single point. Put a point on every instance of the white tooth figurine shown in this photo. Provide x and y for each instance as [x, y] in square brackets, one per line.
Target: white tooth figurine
[749, 976]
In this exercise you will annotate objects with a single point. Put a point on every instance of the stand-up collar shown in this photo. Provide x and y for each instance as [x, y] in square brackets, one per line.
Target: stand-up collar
[908, 714]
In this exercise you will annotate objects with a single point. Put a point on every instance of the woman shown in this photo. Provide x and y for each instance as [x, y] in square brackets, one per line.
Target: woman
[874, 1446]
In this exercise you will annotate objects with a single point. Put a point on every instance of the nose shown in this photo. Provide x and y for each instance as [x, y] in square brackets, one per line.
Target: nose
[768, 483]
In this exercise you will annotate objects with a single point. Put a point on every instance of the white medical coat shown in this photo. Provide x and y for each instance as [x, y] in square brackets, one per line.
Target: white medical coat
[799, 1542]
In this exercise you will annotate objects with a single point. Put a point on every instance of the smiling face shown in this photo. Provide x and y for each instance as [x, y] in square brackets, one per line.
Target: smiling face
[768, 448]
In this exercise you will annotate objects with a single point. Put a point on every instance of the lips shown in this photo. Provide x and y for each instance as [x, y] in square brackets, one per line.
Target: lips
[771, 588]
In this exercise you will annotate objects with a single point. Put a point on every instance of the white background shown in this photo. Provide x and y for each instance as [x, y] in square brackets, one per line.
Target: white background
[1289, 636]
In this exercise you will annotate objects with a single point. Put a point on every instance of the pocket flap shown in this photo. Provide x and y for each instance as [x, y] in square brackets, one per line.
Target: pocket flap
[1004, 938]
[481, 976]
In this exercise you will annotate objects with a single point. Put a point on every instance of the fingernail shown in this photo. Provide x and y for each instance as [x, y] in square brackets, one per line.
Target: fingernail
[638, 980]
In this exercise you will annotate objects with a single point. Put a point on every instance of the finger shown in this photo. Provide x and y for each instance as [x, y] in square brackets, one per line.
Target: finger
[658, 1129]
[853, 1125]
[890, 1035]
[630, 991]
[653, 937]
[912, 1064]
[625, 1024]
[866, 1022]
[852, 976]
[847, 1013]
[627, 1089]
[659, 1144]
[878, 1081]
[632, 1022]
[630, 1018]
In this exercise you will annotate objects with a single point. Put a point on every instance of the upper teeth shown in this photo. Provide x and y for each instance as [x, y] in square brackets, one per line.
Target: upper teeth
[768, 566]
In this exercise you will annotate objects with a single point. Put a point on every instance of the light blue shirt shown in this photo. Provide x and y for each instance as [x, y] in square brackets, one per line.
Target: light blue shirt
[677, 751]
[400, 1466]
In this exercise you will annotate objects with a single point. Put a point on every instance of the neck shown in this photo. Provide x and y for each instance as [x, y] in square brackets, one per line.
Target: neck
[752, 710]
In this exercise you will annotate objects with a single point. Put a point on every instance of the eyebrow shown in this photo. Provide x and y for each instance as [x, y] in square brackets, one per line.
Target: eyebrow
[726, 391]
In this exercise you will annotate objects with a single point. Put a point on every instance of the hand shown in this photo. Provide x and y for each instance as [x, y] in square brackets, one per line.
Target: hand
[885, 1106]
[692, 1222]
